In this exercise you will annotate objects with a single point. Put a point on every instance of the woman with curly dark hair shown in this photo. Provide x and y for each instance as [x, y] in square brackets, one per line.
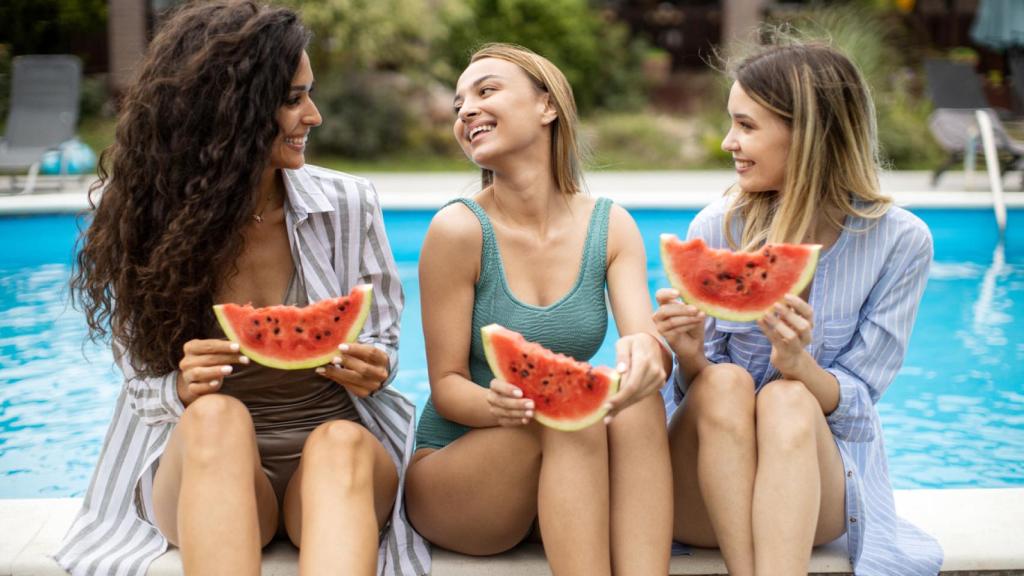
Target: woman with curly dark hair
[206, 199]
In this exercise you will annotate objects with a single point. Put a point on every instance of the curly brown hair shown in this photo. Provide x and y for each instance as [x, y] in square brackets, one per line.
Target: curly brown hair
[193, 138]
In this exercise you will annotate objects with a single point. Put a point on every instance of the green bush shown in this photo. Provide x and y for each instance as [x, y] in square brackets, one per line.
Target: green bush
[597, 56]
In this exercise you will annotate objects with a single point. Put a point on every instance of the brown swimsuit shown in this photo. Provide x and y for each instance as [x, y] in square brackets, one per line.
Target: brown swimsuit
[286, 405]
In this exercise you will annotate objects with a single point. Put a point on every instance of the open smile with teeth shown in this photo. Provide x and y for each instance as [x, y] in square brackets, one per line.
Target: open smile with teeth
[480, 130]
[742, 164]
[297, 142]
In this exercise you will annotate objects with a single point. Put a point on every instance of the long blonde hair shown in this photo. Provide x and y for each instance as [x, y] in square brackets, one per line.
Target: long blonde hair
[566, 151]
[833, 152]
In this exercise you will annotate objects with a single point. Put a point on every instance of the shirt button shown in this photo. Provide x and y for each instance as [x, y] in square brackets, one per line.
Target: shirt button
[849, 474]
[853, 519]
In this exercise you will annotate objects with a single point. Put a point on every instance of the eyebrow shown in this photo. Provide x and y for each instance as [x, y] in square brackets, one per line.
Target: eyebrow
[478, 81]
[741, 116]
[302, 88]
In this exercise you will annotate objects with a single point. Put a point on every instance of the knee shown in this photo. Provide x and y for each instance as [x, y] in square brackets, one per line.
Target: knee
[786, 413]
[340, 445]
[215, 425]
[723, 397]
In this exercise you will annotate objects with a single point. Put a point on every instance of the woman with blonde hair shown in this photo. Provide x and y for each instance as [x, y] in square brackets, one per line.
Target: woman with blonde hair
[533, 253]
[776, 443]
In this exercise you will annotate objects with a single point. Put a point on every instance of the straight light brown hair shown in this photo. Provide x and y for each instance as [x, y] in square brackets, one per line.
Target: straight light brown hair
[833, 153]
[566, 152]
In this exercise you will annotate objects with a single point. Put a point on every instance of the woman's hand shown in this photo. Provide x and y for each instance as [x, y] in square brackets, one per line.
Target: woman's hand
[788, 327]
[680, 324]
[508, 405]
[639, 362]
[204, 366]
[361, 368]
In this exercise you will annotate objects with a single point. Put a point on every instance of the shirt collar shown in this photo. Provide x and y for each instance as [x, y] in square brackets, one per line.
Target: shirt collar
[305, 196]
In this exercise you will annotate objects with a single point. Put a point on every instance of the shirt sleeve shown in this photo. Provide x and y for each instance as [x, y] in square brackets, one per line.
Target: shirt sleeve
[377, 267]
[869, 363]
[155, 399]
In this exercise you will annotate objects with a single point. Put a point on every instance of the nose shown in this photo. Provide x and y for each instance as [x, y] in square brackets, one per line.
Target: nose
[312, 116]
[729, 143]
[468, 112]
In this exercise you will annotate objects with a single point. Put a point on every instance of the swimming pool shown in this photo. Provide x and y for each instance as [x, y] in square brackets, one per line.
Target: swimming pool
[954, 417]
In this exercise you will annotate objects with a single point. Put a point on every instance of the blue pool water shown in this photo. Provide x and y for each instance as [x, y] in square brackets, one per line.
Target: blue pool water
[954, 417]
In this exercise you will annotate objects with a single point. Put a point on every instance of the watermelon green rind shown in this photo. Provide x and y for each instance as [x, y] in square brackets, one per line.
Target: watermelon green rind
[566, 425]
[727, 313]
[272, 362]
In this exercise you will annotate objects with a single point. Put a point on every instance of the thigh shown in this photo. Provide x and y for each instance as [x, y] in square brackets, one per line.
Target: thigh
[385, 486]
[691, 523]
[167, 486]
[478, 495]
[832, 514]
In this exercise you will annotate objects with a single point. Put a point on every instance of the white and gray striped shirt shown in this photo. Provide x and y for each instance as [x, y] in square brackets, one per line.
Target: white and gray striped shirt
[865, 295]
[337, 237]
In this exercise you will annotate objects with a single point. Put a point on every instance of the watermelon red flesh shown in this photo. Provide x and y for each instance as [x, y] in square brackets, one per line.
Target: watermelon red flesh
[567, 395]
[292, 338]
[738, 286]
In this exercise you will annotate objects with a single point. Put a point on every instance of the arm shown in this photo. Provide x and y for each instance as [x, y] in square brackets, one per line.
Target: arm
[377, 267]
[449, 268]
[639, 350]
[869, 363]
[155, 400]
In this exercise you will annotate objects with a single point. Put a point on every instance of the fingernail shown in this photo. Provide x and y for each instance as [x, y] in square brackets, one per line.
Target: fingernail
[607, 420]
[517, 393]
[526, 420]
[608, 406]
[529, 413]
[343, 347]
[243, 359]
[321, 370]
[225, 369]
[336, 360]
[234, 346]
[215, 383]
[621, 366]
[529, 404]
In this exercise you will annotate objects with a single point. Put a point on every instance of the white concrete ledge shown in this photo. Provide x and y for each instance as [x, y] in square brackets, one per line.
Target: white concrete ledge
[980, 530]
[690, 189]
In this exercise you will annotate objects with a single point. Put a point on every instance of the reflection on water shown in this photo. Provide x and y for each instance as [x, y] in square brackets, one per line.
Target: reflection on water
[954, 416]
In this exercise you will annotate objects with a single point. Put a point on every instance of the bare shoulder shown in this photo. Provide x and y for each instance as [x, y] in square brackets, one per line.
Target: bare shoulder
[454, 242]
[623, 232]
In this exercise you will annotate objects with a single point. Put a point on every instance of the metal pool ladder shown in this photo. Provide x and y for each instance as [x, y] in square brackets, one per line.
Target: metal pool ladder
[995, 176]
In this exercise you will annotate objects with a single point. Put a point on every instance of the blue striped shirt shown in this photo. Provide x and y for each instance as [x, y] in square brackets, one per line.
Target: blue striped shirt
[337, 238]
[865, 296]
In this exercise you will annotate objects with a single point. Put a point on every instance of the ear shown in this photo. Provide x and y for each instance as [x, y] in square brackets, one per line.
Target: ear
[548, 112]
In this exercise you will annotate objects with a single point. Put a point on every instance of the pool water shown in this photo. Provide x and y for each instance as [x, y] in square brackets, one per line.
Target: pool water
[953, 418]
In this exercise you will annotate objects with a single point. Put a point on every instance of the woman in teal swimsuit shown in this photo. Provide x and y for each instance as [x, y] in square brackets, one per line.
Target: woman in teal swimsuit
[533, 254]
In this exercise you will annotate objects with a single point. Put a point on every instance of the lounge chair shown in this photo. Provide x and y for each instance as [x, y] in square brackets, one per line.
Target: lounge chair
[956, 92]
[43, 112]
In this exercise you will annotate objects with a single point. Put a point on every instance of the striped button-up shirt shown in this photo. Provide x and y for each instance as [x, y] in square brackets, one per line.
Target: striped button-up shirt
[337, 239]
[865, 295]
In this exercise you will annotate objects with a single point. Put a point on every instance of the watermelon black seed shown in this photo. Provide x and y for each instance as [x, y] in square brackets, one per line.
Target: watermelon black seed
[544, 382]
[317, 336]
[327, 332]
[277, 331]
[298, 329]
[772, 259]
[706, 281]
[256, 321]
[764, 275]
[336, 318]
[751, 264]
[524, 373]
[269, 318]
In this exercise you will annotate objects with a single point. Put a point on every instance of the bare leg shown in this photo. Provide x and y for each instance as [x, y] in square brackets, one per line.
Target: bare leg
[349, 482]
[480, 494]
[799, 494]
[641, 489]
[714, 457]
[210, 496]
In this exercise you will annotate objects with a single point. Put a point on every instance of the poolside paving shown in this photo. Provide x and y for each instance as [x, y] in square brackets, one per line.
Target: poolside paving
[981, 531]
[660, 189]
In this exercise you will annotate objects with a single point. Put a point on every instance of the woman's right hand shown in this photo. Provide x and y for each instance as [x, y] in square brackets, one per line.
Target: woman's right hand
[508, 405]
[680, 324]
[204, 366]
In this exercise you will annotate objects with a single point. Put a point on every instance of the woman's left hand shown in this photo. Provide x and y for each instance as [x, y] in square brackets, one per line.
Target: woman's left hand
[639, 363]
[359, 367]
[788, 327]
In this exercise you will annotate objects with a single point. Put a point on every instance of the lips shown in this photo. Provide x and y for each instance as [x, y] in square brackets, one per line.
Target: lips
[297, 142]
[476, 130]
[742, 164]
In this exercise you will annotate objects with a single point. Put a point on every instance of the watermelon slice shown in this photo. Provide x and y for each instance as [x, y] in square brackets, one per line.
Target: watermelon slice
[567, 395]
[292, 338]
[738, 286]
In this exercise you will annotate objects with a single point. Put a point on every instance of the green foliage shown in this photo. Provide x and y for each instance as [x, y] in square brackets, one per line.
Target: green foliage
[596, 55]
[48, 26]
[375, 34]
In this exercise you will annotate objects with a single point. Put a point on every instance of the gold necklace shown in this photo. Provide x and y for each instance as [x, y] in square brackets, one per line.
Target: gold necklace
[259, 216]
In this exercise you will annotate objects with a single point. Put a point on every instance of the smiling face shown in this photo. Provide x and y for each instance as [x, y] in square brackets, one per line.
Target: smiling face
[758, 140]
[499, 111]
[295, 118]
